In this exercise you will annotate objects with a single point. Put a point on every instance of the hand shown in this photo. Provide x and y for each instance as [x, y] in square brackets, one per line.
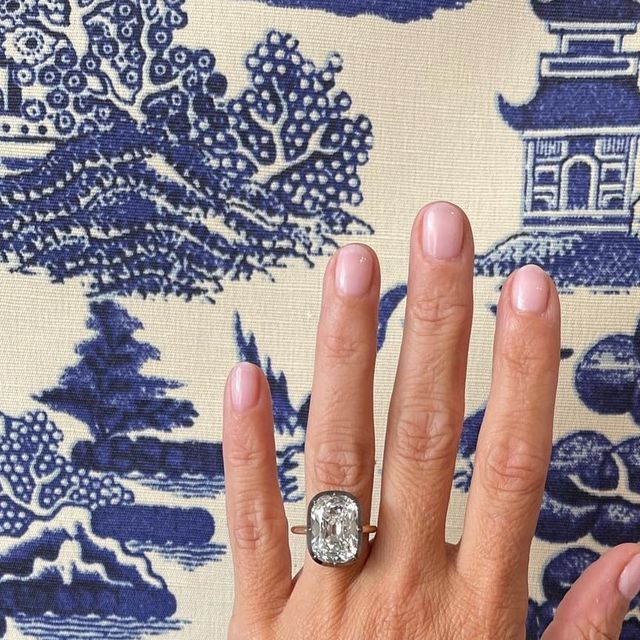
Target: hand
[409, 582]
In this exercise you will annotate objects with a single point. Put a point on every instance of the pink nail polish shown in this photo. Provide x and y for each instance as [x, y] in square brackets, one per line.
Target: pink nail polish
[530, 292]
[629, 582]
[442, 230]
[245, 386]
[354, 270]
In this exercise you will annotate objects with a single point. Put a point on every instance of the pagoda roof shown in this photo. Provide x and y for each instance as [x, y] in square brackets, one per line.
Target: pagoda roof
[587, 10]
[576, 103]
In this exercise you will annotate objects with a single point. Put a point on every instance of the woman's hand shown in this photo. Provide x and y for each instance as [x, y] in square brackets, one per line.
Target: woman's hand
[409, 582]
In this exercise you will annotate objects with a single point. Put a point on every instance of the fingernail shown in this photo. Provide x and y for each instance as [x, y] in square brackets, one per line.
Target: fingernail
[629, 582]
[354, 270]
[531, 289]
[442, 230]
[245, 386]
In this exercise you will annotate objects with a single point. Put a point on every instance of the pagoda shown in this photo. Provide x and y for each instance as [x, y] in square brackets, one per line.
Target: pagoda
[581, 128]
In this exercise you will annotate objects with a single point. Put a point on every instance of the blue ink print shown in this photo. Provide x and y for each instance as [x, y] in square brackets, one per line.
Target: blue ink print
[37, 481]
[106, 390]
[581, 147]
[129, 167]
[593, 487]
[181, 535]
[467, 449]
[61, 575]
[559, 575]
[389, 302]
[396, 10]
[290, 424]
[607, 378]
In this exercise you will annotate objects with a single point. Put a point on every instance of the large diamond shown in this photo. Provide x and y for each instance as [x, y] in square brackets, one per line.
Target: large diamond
[334, 528]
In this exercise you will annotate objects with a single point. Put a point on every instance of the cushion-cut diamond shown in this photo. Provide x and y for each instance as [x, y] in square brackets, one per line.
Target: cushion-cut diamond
[335, 529]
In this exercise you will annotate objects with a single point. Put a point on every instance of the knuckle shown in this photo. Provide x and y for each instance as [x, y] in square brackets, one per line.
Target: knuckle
[342, 346]
[512, 466]
[244, 449]
[341, 464]
[256, 529]
[431, 311]
[524, 356]
[424, 436]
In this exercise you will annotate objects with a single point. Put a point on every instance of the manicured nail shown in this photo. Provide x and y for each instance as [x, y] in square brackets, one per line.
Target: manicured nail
[245, 386]
[442, 230]
[354, 270]
[629, 582]
[531, 289]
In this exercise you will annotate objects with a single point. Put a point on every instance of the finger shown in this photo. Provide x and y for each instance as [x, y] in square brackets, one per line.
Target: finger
[339, 446]
[514, 445]
[426, 411]
[597, 603]
[256, 519]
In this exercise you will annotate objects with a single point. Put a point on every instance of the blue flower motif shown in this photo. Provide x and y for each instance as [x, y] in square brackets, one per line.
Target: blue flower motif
[159, 37]
[23, 75]
[107, 48]
[49, 76]
[161, 71]
[130, 76]
[33, 109]
[180, 57]
[66, 58]
[204, 60]
[64, 122]
[75, 81]
[58, 99]
[90, 63]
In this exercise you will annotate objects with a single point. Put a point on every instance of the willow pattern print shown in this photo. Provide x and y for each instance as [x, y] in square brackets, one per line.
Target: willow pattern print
[173, 177]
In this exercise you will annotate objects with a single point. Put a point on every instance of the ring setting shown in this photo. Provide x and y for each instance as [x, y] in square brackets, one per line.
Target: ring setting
[335, 532]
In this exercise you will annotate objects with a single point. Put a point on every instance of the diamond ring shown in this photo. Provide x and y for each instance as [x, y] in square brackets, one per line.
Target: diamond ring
[334, 529]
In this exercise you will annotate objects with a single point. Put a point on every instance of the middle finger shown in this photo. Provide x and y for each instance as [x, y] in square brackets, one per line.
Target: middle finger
[427, 404]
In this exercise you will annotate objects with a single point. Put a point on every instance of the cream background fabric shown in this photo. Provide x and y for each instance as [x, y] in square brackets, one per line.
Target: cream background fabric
[429, 88]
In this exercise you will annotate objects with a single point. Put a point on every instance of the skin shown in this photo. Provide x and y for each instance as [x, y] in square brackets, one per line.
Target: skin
[409, 582]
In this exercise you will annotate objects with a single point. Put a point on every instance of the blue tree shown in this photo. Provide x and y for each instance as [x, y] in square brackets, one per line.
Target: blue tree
[105, 388]
[49, 82]
[37, 481]
[160, 184]
[295, 129]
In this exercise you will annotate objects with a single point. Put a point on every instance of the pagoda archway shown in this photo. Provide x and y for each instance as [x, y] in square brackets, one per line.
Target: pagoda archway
[579, 183]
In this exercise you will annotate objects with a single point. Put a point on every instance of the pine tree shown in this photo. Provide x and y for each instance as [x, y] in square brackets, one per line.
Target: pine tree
[105, 388]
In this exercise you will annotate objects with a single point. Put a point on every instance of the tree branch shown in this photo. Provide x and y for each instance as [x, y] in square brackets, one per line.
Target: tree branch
[40, 481]
[7, 490]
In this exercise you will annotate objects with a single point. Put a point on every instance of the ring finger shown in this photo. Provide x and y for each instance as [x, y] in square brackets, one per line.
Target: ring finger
[340, 442]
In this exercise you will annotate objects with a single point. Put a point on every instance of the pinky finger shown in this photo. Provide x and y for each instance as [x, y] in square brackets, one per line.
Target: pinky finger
[256, 519]
[595, 606]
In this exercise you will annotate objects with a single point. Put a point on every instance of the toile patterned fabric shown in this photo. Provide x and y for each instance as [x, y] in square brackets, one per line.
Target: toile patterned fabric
[174, 176]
